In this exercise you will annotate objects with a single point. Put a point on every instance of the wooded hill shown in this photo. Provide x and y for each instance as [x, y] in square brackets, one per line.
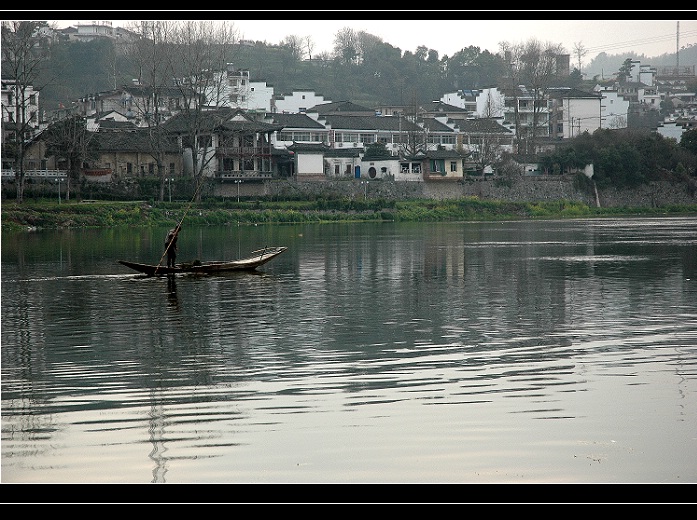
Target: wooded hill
[383, 75]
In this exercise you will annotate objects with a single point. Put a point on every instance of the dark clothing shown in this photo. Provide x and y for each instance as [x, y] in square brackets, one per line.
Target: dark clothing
[171, 246]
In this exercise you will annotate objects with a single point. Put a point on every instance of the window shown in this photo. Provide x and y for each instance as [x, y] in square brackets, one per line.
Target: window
[337, 169]
[367, 138]
[348, 169]
[438, 166]
[285, 136]
[453, 166]
[151, 168]
[129, 167]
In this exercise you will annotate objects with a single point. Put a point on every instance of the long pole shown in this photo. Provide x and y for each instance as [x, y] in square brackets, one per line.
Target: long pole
[179, 224]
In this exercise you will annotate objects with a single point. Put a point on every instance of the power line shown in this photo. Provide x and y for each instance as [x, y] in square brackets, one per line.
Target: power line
[643, 41]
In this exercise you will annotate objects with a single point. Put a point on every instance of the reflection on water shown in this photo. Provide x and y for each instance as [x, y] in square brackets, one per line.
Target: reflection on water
[558, 351]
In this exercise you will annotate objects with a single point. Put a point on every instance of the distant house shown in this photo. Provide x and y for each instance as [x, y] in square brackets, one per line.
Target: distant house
[444, 165]
[136, 102]
[232, 145]
[359, 131]
[129, 154]
[438, 133]
[297, 128]
[309, 160]
[298, 102]
[346, 108]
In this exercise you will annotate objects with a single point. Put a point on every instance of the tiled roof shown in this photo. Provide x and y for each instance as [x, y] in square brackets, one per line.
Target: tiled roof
[481, 126]
[444, 154]
[564, 92]
[343, 152]
[439, 106]
[434, 125]
[221, 118]
[308, 147]
[295, 121]
[371, 123]
[339, 106]
[129, 142]
[110, 124]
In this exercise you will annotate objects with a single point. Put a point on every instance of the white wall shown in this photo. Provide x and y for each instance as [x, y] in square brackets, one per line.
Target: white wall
[614, 109]
[490, 103]
[298, 100]
[581, 115]
[671, 130]
[309, 164]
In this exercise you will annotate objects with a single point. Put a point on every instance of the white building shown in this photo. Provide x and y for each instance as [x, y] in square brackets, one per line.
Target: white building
[574, 112]
[8, 101]
[613, 108]
[298, 102]
[233, 88]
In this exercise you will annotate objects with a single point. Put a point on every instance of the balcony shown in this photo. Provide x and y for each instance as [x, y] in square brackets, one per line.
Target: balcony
[239, 151]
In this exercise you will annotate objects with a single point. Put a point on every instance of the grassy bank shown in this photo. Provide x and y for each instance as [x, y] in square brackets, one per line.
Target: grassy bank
[51, 214]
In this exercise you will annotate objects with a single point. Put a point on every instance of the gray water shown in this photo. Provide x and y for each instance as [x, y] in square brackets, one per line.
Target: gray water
[504, 352]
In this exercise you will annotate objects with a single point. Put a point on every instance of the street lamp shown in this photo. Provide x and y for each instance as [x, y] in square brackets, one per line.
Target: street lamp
[58, 180]
[238, 182]
[365, 189]
[169, 181]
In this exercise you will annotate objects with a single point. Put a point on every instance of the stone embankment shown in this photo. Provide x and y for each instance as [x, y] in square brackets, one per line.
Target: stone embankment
[518, 189]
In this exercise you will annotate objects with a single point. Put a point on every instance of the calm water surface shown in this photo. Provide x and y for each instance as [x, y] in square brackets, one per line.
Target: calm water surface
[545, 351]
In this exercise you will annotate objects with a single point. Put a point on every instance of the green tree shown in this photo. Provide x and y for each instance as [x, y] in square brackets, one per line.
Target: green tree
[688, 141]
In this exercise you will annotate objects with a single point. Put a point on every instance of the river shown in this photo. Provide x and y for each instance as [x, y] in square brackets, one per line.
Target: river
[557, 351]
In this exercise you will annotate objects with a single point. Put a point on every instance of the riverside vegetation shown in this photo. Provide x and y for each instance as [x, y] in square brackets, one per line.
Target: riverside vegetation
[43, 213]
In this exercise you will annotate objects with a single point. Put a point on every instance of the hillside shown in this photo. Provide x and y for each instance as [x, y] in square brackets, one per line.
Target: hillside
[386, 76]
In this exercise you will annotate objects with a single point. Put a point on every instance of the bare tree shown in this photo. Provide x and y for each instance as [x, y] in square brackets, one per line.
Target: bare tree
[22, 58]
[536, 66]
[69, 139]
[309, 45]
[197, 62]
[149, 53]
[580, 52]
[346, 46]
[296, 46]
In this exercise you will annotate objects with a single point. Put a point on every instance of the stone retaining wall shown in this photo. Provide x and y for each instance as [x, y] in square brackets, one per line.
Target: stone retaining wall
[520, 189]
[514, 189]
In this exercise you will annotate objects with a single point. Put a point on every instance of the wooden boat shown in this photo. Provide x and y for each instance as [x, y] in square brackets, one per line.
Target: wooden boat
[248, 263]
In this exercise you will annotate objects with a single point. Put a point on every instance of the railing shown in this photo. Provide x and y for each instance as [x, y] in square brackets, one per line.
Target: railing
[243, 175]
[243, 150]
[34, 174]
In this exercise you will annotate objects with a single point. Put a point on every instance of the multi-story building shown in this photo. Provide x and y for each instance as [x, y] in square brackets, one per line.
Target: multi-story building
[11, 101]
[573, 112]
[135, 102]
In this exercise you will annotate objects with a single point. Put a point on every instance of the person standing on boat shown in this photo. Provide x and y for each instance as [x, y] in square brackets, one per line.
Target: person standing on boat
[171, 245]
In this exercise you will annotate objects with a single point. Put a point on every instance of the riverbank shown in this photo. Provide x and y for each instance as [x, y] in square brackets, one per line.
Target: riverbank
[38, 214]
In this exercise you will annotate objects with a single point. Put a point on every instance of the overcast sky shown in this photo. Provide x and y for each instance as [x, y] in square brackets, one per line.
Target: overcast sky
[651, 36]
